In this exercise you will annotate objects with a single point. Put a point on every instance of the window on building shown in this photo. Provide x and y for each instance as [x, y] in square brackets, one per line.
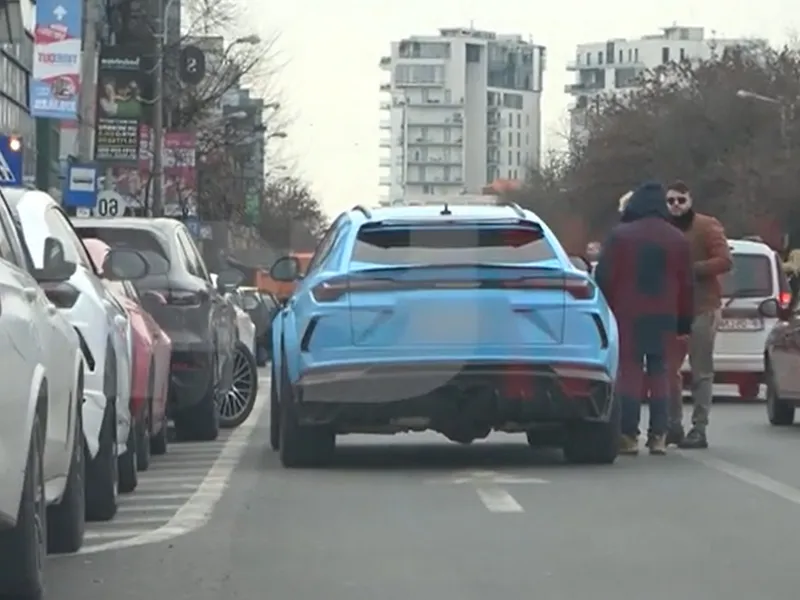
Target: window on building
[519, 121]
[588, 58]
[630, 54]
[621, 56]
[610, 53]
[683, 54]
[527, 120]
[510, 120]
[473, 53]
[664, 55]
[527, 139]
[510, 157]
[599, 58]
[636, 55]
[519, 139]
[510, 138]
[519, 157]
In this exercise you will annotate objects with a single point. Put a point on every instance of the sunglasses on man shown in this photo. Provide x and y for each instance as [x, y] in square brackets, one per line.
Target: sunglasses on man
[677, 200]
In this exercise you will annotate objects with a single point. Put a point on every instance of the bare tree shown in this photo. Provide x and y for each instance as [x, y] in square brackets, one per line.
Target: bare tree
[291, 217]
[690, 121]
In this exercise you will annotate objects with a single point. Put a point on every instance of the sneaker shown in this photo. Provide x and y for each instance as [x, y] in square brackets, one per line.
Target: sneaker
[675, 435]
[629, 445]
[657, 445]
[694, 440]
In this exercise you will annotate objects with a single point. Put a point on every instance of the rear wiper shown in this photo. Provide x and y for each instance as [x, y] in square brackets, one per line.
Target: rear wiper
[740, 293]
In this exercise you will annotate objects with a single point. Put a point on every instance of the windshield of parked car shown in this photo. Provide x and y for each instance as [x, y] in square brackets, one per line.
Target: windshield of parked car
[442, 244]
[750, 277]
[145, 242]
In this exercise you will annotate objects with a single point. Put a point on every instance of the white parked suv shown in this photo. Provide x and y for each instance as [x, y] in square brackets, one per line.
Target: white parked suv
[756, 276]
[41, 447]
[105, 330]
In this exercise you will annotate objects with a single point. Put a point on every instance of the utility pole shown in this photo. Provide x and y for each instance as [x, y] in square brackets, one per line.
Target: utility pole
[157, 208]
[87, 88]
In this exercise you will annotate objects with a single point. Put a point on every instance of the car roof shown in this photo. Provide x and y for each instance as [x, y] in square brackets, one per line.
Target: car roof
[749, 247]
[161, 224]
[455, 212]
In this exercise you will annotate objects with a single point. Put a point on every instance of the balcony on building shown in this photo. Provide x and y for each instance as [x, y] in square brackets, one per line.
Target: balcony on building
[456, 181]
[435, 103]
[436, 161]
[385, 142]
[385, 62]
[386, 105]
[420, 141]
[584, 87]
[386, 124]
[385, 87]
[385, 181]
[385, 162]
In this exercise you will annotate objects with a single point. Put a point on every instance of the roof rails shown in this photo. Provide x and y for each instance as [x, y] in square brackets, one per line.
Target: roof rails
[363, 209]
[513, 206]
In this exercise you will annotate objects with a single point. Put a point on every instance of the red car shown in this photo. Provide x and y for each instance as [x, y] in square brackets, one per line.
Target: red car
[152, 351]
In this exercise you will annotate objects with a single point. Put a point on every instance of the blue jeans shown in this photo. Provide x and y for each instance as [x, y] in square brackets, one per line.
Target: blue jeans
[641, 377]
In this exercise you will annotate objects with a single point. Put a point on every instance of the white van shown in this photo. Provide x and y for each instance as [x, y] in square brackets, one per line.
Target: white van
[757, 275]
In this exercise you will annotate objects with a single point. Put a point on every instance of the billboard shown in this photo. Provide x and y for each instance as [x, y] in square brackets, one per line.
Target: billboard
[55, 79]
[119, 106]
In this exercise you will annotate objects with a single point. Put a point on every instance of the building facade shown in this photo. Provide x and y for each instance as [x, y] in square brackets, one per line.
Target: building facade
[460, 110]
[615, 66]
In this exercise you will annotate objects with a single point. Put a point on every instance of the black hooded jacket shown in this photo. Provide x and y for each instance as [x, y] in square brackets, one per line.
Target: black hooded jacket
[645, 273]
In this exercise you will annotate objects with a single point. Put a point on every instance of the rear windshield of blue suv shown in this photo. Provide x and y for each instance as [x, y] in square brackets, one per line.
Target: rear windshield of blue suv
[432, 245]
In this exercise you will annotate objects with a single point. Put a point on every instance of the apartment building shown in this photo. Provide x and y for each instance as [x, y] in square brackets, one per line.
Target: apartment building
[614, 66]
[461, 110]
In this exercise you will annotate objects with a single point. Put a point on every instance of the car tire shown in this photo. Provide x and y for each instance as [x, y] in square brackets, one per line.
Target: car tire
[594, 443]
[128, 463]
[200, 423]
[144, 426]
[244, 367]
[102, 474]
[274, 412]
[301, 446]
[66, 521]
[23, 549]
[160, 441]
[779, 412]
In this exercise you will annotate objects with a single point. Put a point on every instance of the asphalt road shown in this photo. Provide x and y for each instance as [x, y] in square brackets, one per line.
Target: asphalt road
[419, 517]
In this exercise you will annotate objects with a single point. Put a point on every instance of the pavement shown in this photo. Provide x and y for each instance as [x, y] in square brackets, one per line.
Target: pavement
[419, 517]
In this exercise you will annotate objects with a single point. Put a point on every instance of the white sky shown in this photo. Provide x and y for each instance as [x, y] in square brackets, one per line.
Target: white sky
[332, 47]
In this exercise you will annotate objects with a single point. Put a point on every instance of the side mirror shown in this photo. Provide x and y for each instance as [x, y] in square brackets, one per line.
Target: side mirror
[122, 264]
[286, 269]
[581, 263]
[55, 266]
[228, 280]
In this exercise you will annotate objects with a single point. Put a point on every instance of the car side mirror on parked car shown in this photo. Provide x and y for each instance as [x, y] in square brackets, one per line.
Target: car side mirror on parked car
[124, 264]
[286, 269]
[228, 280]
[581, 263]
[55, 266]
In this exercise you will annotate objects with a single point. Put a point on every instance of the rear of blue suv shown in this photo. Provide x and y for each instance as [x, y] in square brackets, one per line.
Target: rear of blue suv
[459, 319]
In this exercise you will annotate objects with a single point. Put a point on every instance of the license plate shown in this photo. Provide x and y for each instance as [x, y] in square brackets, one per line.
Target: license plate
[741, 325]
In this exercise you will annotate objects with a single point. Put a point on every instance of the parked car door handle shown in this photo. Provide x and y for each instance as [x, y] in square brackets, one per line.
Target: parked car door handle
[30, 294]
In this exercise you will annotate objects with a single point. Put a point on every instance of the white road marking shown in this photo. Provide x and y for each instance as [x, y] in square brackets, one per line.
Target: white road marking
[748, 476]
[147, 497]
[497, 500]
[488, 487]
[197, 509]
[149, 507]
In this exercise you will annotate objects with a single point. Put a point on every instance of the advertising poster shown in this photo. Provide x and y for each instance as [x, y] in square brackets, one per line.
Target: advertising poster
[180, 172]
[119, 106]
[55, 79]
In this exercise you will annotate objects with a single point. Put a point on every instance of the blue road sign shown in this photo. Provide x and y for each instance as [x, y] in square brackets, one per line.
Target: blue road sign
[81, 187]
[193, 225]
[11, 161]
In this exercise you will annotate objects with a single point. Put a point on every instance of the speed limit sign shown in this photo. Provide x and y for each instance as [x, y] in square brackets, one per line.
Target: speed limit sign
[110, 204]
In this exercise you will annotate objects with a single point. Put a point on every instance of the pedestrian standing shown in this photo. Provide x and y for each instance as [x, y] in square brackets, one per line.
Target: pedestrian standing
[711, 258]
[644, 272]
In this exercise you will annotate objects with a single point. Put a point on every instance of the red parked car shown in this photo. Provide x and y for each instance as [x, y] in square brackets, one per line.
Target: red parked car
[152, 351]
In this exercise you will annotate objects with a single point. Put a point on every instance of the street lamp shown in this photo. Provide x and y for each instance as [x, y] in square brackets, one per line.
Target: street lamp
[783, 109]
